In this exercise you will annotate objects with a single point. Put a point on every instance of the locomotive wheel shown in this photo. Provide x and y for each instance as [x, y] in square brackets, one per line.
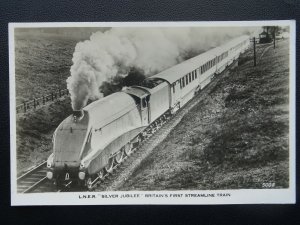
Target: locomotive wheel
[100, 174]
[119, 156]
[128, 149]
[110, 165]
[89, 183]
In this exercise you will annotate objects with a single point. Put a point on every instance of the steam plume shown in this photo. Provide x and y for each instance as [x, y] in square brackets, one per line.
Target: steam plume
[115, 51]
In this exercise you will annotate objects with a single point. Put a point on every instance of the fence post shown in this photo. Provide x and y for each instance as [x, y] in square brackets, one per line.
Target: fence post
[52, 97]
[274, 35]
[254, 51]
[24, 103]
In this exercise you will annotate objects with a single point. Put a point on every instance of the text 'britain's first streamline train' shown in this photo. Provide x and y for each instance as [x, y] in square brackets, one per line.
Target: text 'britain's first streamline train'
[88, 143]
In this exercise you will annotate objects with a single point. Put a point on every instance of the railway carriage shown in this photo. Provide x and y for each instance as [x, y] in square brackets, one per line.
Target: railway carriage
[88, 143]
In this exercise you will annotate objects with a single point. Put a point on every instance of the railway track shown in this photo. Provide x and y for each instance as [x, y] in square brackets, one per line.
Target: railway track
[35, 180]
[32, 179]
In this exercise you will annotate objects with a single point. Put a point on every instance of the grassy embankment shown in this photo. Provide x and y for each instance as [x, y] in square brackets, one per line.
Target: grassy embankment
[235, 138]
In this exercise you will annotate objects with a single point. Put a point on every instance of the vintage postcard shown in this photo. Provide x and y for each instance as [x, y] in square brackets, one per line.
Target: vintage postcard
[152, 113]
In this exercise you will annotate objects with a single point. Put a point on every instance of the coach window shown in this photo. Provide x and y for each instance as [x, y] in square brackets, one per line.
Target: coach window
[183, 84]
[195, 74]
[186, 79]
[180, 83]
[190, 78]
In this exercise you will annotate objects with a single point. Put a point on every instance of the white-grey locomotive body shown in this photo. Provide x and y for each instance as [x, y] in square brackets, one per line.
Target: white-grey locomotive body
[88, 143]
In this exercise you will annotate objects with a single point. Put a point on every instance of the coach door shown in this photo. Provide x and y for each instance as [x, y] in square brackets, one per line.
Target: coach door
[145, 110]
[175, 92]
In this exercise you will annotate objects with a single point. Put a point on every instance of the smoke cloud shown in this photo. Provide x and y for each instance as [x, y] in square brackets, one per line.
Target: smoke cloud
[115, 51]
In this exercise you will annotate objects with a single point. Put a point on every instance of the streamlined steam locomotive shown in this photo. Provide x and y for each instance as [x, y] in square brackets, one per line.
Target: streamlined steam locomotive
[88, 143]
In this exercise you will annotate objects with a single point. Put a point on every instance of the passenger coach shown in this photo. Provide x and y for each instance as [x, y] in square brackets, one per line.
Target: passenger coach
[188, 77]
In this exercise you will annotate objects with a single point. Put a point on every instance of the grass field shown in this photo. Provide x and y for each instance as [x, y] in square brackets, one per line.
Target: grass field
[42, 65]
[236, 138]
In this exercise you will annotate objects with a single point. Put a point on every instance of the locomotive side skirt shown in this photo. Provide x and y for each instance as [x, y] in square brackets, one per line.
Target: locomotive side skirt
[101, 156]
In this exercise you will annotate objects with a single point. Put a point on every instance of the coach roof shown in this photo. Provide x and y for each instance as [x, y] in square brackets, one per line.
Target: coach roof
[174, 73]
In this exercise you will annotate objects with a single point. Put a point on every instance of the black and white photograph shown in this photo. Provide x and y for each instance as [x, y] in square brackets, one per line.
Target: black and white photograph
[152, 113]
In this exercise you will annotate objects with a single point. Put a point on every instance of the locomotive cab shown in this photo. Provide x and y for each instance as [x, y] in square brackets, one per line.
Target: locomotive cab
[141, 97]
